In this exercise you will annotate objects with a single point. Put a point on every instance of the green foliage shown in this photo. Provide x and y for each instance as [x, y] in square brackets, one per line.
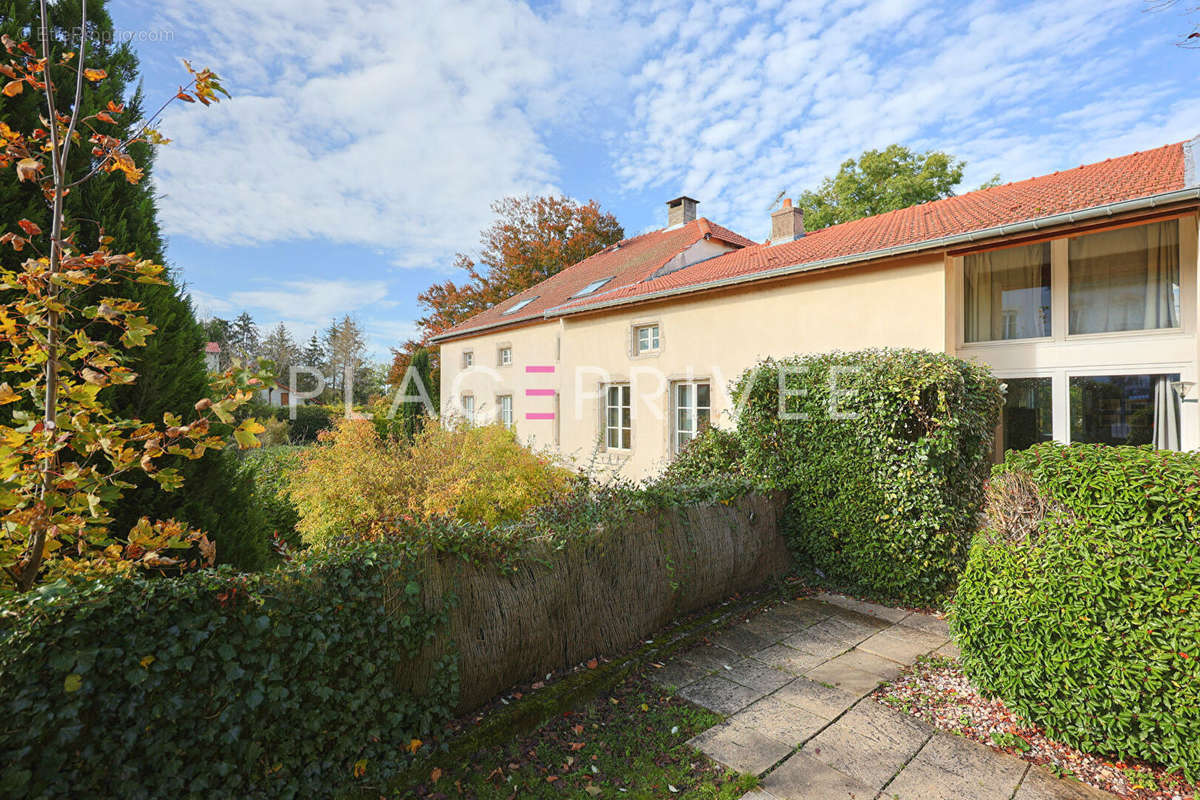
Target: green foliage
[1085, 619]
[880, 181]
[714, 452]
[282, 684]
[883, 500]
[268, 470]
[310, 420]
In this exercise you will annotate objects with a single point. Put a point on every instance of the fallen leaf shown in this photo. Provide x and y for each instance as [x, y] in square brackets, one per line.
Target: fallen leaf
[436, 775]
[593, 664]
[414, 745]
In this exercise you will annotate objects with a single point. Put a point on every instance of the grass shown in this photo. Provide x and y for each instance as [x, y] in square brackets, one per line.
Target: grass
[630, 742]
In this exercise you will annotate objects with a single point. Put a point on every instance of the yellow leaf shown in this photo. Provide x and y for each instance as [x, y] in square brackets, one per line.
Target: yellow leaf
[146, 661]
[73, 682]
[7, 395]
[414, 745]
[360, 767]
[95, 74]
[14, 88]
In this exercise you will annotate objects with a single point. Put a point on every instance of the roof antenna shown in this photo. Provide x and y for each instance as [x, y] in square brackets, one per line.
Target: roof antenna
[775, 202]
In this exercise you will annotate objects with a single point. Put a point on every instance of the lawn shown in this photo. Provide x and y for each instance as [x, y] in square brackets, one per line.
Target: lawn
[630, 742]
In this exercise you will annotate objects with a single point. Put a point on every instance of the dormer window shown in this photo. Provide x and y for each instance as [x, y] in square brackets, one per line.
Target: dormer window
[519, 305]
[592, 287]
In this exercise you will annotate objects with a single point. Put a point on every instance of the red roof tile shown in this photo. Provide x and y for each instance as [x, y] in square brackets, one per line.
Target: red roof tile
[1114, 180]
[628, 262]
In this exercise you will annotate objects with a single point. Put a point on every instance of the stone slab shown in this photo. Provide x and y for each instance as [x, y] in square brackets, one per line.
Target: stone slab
[788, 659]
[845, 677]
[771, 627]
[949, 650]
[803, 777]
[819, 640]
[885, 668]
[951, 767]
[741, 639]
[1041, 784]
[928, 623]
[677, 673]
[741, 749]
[785, 723]
[826, 702]
[902, 644]
[863, 607]
[716, 693]
[758, 794]
[869, 743]
[710, 657]
[757, 675]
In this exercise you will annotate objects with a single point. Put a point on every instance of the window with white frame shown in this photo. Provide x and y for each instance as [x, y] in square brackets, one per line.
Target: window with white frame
[468, 408]
[618, 417]
[468, 359]
[1007, 294]
[505, 410]
[645, 339]
[692, 411]
[504, 357]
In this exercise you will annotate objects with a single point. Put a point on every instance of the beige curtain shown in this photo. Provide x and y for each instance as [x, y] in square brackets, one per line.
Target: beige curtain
[1007, 281]
[1125, 280]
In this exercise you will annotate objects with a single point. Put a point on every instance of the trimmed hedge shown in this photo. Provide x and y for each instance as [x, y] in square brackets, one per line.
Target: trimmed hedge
[1085, 619]
[884, 494]
[218, 684]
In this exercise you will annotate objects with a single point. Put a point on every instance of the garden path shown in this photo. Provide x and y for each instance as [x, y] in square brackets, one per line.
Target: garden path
[793, 683]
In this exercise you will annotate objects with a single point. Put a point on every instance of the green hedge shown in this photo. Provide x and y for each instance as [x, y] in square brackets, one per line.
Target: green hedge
[713, 454]
[1089, 622]
[267, 469]
[883, 503]
[217, 684]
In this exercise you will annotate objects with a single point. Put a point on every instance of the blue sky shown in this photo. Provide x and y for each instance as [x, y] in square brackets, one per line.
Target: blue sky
[363, 148]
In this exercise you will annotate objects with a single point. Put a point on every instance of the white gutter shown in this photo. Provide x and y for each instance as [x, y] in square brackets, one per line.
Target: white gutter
[1097, 212]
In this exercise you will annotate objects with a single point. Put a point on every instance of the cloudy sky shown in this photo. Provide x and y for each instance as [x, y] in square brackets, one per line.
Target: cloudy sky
[363, 147]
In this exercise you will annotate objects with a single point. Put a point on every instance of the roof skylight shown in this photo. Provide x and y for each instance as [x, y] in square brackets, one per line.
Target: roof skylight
[592, 287]
[518, 306]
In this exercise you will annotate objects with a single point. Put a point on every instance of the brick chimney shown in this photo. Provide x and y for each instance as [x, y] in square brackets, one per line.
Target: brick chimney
[787, 224]
[681, 211]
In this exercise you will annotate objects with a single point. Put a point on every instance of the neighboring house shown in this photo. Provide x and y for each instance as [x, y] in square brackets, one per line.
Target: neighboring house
[276, 395]
[1078, 289]
[212, 357]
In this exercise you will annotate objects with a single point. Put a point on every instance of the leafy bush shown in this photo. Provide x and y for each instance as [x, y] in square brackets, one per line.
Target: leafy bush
[268, 469]
[310, 420]
[356, 483]
[282, 684]
[884, 493]
[1083, 613]
[714, 452]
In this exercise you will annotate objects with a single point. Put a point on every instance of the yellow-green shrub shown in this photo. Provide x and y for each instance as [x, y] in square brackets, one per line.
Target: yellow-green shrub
[356, 483]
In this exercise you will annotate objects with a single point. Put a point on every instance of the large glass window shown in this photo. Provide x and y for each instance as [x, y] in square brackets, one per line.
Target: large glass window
[618, 417]
[1125, 280]
[1007, 293]
[1028, 417]
[692, 411]
[1125, 409]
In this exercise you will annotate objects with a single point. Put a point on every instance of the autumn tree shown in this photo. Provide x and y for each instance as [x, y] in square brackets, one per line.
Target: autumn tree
[879, 181]
[344, 348]
[64, 452]
[531, 239]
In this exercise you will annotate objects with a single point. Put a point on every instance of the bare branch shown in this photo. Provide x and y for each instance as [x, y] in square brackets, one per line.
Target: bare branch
[78, 82]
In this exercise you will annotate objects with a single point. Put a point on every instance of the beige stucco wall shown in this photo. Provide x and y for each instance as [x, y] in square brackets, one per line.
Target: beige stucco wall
[713, 337]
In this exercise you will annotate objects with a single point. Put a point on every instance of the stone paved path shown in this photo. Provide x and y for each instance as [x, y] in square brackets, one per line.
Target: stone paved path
[791, 683]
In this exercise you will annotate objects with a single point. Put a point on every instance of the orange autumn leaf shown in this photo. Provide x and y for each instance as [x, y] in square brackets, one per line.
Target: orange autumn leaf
[436, 775]
[414, 745]
[95, 74]
[593, 664]
[14, 88]
[30, 228]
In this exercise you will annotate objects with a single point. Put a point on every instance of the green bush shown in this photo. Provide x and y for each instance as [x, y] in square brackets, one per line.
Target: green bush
[1080, 605]
[310, 420]
[715, 452]
[268, 469]
[884, 493]
[281, 684]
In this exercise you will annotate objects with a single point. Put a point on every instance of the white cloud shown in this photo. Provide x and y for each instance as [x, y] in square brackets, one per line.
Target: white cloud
[313, 302]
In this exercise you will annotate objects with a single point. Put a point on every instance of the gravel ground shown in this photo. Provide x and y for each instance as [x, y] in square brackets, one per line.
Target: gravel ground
[936, 690]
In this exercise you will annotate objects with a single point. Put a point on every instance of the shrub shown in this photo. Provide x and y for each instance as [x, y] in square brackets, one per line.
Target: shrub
[1083, 614]
[884, 494]
[281, 684]
[355, 483]
[310, 420]
[715, 452]
[269, 469]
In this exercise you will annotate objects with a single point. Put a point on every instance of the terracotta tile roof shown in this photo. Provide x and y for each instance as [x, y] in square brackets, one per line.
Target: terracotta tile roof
[627, 263]
[1128, 177]
[212, 347]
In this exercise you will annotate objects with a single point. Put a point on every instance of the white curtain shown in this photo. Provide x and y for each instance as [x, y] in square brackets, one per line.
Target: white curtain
[1125, 280]
[1166, 414]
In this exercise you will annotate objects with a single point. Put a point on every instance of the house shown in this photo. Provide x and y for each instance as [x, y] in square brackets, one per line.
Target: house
[1078, 290]
[212, 356]
[276, 395]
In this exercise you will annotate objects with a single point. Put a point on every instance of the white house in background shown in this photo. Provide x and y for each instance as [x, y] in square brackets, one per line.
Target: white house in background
[212, 357]
[276, 394]
[1078, 289]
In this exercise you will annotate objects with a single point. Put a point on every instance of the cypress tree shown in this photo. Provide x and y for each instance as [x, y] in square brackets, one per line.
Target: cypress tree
[216, 496]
